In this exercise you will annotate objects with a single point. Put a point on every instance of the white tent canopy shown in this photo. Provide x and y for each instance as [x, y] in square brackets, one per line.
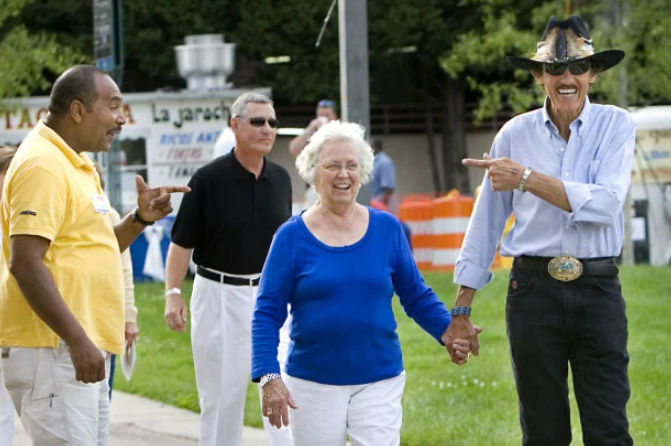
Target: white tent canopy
[651, 180]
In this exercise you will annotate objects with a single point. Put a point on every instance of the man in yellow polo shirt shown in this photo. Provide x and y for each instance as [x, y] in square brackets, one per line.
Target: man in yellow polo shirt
[61, 284]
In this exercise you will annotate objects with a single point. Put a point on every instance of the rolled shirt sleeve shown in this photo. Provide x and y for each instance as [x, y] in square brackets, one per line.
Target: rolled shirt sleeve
[600, 201]
[484, 231]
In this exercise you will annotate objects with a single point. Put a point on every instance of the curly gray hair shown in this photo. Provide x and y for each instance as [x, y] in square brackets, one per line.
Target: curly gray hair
[306, 162]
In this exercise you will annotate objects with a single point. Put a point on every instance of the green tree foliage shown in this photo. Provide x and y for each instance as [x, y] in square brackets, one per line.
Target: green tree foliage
[480, 54]
[153, 28]
[465, 40]
[269, 28]
[646, 39]
[30, 57]
[265, 28]
[11, 8]
[506, 28]
[430, 26]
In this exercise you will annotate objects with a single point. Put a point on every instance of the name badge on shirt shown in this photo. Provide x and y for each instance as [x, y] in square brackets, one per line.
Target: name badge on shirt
[100, 204]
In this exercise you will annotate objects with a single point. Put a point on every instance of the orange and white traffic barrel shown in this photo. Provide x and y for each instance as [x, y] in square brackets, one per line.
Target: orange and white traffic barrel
[450, 220]
[500, 261]
[417, 212]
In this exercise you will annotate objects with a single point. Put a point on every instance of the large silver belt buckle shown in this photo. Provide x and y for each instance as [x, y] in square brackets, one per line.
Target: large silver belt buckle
[565, 268]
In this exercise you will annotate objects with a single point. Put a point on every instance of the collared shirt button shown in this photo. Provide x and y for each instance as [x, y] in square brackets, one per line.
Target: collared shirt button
[561, 149]
[566, 175]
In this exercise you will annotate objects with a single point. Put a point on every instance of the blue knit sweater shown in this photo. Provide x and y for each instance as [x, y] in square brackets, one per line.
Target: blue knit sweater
[343, 330]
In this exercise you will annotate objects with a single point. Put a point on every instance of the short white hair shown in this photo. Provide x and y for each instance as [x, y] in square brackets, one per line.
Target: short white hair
[306, 162]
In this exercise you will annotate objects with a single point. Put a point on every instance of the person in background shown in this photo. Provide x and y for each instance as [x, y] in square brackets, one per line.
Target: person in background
[61, 281]
[338, 265]
[326, 112]
[383, 183]
[564, 171]
[228, 220]
[6, 406]
[225, 142]
[131, 331]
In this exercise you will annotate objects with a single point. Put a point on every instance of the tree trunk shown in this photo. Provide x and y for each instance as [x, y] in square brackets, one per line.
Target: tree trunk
[454, 137]
[430, 137]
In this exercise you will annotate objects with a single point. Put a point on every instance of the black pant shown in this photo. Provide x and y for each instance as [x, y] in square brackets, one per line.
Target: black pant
[552, 324]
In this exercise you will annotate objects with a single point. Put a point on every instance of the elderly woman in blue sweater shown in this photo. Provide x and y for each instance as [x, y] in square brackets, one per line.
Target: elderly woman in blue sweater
[337, 266]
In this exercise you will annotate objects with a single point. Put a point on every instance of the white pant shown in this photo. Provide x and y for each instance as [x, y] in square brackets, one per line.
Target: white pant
[370, 413]
[221, 338]
[56, 409]
[6, 415]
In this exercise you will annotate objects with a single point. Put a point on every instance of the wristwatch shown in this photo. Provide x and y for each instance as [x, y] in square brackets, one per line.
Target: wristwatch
[138, 219]
[265, 379]
[522, 186]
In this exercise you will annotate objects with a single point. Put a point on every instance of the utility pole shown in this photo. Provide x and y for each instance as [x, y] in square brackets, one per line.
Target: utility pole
[354, 81]
[618, 10]
[109, 56]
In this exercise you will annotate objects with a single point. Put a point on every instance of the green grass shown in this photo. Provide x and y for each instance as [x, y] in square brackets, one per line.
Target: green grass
[474, 405]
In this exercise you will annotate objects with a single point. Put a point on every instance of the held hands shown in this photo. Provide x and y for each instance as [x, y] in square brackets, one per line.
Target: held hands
[275, 403]
[153, 203]
[504, 173]
[461, 339]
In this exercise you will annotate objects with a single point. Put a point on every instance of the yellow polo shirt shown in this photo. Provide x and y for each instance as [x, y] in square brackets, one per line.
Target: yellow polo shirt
[53, 192]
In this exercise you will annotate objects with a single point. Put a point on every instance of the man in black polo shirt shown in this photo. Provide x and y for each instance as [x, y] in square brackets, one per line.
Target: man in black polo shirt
[236, 204]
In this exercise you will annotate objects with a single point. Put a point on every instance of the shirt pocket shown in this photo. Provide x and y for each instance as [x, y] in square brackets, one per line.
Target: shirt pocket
[593, 170]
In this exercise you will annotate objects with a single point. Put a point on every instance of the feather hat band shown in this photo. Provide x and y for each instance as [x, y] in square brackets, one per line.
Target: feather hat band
[566, 41]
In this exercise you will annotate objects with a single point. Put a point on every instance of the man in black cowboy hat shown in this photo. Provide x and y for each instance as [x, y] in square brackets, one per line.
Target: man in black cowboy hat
[563, 171]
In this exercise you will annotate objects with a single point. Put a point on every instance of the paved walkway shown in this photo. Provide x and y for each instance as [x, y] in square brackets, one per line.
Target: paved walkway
[138, 421]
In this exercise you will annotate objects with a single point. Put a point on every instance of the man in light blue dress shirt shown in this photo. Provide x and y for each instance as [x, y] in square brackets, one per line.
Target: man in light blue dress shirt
[563, 171]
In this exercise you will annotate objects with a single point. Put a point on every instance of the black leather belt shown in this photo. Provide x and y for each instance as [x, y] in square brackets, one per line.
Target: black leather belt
[603, 266]
[223, 278]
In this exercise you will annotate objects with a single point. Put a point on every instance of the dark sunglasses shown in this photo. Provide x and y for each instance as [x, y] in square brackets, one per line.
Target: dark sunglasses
[577, 68]
[258, 121]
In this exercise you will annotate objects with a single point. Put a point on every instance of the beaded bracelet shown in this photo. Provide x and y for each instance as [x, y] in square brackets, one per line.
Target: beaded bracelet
[456, 311]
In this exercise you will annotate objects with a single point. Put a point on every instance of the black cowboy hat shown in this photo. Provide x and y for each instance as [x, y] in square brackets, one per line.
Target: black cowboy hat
[566, 41]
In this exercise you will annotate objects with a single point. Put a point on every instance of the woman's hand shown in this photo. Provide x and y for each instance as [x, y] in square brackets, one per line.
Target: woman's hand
[132, 331]
[275, 398]
[461, 338]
